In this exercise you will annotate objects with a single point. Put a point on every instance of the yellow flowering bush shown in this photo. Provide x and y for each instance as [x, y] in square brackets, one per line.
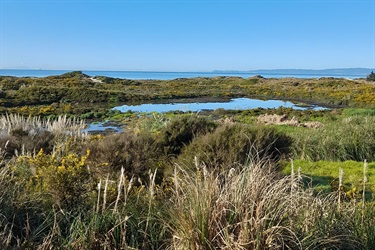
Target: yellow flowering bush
[65, 178]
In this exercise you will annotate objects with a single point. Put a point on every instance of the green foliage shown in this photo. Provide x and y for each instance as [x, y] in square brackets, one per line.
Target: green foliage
[63, 178]
[254, 209]
[180, 131]
[351, 138]
[371, 76]
[78, 88]
[324, 174]
[348, 112]
[77, 74]
[118, 191]
[136, 153]
[234, 145]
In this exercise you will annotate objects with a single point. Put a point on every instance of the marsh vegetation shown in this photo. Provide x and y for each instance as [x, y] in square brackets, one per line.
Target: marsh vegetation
[222, 179]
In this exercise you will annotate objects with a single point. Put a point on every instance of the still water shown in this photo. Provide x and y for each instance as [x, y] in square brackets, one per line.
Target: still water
[233, 104]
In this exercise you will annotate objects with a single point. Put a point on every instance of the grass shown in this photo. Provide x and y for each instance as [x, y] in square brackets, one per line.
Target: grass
[21, 135]
[252, 208]
[61, 125]
[128, 191]
[349, 138]
[325, 173]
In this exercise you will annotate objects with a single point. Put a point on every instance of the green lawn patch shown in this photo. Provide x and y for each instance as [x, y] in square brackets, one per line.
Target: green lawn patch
[324, 174]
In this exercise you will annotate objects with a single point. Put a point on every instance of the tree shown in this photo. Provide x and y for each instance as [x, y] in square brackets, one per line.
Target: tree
[371, 76]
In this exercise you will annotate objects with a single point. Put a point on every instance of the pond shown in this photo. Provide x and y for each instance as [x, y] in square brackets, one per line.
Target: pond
[232, 104]
[102, 127]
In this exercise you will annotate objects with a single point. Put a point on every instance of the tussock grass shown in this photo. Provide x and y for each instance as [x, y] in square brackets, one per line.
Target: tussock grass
[251, 208]
[254, 209]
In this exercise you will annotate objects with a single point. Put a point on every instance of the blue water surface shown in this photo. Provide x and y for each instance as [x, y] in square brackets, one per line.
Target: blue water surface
[137, 75]
[233, 104]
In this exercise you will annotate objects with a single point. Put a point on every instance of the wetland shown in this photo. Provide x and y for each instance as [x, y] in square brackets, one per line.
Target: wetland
[266, 154]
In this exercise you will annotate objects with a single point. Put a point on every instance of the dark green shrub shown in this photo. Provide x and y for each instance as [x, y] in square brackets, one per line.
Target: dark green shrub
[182, 130]
[234, 145]
[371, 76]
[77, 74]
[136, 153]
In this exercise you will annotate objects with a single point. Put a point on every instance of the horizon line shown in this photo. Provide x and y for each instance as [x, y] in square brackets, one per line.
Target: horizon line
[190, 71]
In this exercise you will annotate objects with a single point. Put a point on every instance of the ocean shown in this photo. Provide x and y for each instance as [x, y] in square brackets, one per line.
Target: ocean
[136, 75]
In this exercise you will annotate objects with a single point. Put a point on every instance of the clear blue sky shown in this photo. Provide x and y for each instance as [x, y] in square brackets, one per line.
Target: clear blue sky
[182, 35]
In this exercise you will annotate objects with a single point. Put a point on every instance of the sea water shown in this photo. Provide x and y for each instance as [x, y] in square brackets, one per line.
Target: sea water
[137, 75]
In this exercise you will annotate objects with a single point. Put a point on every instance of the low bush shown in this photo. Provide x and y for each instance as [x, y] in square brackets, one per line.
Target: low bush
[63, 180]
[136, 153]
[371, 76]
[180, 131]
[252, 207]
[235, 145]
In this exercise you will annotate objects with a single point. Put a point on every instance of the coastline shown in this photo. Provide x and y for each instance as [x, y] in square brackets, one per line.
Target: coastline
[160, 75]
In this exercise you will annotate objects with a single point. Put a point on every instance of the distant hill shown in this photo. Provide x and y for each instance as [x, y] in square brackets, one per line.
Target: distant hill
[361, 72]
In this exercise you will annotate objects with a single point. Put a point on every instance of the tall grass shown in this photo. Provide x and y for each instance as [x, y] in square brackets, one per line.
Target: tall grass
[251, 208]
[126, 220]
[34, 124]
[21, 134]
[254, 209]
[351, 138]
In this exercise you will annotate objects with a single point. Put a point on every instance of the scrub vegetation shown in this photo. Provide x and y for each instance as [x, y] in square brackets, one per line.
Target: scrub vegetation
[214, 180]
[76, 94]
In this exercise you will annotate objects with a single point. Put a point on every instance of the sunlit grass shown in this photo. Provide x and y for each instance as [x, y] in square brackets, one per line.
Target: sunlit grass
[324, 173]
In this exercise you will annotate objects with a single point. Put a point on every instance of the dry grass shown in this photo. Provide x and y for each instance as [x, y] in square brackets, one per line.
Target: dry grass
[253, 209]
[32, 124]
[21, 134]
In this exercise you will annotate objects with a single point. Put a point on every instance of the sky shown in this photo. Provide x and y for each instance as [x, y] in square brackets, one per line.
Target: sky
[182, 35]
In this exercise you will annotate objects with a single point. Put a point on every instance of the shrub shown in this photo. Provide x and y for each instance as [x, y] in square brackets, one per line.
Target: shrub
[371, 76]
[24, 220]
[180, 131]
[234, 145]
[136, 153]
[63, 178]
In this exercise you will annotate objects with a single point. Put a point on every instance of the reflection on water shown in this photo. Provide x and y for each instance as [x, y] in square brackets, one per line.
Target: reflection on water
[101, 127]
[233, 104]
